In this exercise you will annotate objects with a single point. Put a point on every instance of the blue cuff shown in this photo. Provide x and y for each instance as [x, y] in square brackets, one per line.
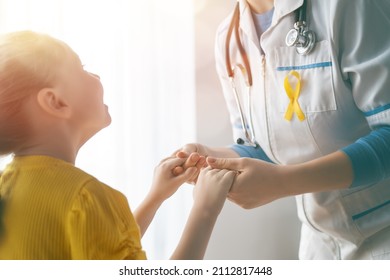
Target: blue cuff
[370, 157]
[251, 152]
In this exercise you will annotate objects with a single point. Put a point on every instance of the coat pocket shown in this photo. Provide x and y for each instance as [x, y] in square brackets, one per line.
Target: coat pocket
[315, 70]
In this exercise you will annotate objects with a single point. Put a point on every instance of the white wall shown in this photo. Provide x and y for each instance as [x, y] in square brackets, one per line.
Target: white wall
[268, 232]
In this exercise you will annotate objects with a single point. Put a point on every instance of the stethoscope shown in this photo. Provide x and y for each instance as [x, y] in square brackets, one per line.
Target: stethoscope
[300, 37]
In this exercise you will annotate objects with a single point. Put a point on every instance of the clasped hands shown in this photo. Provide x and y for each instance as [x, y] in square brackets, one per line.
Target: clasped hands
[256, 182]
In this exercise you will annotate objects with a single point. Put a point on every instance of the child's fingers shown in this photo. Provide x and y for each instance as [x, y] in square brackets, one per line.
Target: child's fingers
[224, 176]
[178, 170]
[187, 174]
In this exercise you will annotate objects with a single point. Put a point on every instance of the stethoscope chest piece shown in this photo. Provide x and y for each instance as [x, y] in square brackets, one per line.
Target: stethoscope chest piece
[292, 37]
[304, 40]
[301, 37]
[310, 42]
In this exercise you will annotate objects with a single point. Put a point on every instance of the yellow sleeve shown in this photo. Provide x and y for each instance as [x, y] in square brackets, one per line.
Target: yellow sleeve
[101, 226]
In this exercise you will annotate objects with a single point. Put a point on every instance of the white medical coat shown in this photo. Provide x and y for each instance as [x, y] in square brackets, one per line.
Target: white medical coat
[345, 93]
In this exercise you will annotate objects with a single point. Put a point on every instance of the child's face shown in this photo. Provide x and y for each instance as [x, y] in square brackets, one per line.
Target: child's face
[83, 92]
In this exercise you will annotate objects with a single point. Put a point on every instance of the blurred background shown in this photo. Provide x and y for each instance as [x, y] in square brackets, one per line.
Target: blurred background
[156, 62]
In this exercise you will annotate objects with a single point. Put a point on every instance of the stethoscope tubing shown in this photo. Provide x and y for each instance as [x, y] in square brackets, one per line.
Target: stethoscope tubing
[303, 40]
[234, 26]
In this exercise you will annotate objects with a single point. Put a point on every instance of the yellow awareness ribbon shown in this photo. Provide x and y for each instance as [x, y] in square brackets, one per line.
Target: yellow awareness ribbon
[293, 95]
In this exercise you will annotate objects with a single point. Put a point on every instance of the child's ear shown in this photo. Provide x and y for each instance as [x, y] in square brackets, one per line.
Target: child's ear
[51, 102]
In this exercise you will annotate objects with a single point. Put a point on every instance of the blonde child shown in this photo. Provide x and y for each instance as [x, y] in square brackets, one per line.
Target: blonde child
[49, 107]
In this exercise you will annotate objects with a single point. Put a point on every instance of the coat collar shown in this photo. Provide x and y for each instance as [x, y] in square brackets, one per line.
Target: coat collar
[246, 21]
[282, 8]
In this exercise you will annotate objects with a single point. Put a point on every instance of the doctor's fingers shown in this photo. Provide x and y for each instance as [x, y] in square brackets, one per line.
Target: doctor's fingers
[194, 160]
[193, 148]
[171, 163]
[186, 175]
[186, 150]
[194, 157]
[248, 195]
[245, 201]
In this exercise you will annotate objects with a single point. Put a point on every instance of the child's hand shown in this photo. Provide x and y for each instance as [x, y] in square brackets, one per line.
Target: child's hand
[165, 182]
[212, 188]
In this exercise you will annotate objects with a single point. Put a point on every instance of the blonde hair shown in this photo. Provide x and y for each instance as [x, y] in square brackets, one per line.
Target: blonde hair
[28, 63]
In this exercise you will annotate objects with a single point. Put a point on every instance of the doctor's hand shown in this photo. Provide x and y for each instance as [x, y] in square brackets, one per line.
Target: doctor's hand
[257, 182]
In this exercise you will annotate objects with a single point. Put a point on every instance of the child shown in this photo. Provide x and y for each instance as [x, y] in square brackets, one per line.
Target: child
[49, 107]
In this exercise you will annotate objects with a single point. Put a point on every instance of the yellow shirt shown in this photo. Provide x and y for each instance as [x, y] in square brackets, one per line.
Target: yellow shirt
[52, 210]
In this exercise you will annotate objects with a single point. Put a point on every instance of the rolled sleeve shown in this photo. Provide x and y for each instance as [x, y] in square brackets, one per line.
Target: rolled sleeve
[251, 152]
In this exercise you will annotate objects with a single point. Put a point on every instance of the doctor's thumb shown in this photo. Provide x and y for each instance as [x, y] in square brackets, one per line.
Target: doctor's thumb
[220, 163]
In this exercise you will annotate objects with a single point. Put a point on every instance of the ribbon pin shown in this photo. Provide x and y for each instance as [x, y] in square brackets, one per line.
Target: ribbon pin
[293, 95]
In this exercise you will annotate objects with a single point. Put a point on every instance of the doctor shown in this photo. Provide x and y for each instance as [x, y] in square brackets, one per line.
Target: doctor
[318, 126]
